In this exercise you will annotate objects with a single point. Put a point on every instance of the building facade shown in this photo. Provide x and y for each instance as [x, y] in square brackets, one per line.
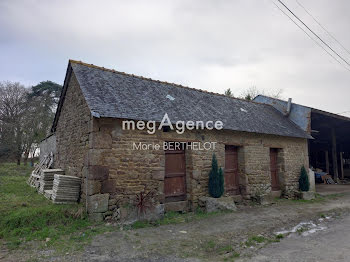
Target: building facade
[261, 155]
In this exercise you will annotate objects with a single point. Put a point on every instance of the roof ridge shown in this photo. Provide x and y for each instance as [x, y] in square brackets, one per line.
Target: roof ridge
[160, 81]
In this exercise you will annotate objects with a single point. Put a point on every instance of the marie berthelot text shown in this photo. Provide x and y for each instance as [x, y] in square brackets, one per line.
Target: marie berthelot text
[195, 146]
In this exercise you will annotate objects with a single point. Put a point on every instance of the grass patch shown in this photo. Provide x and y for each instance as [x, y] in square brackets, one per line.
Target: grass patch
[318, 199]
[225, 249]
[253, 240]
[140, 224]
[176, 217]
[210, 245]
[28, 216]
[301, 230]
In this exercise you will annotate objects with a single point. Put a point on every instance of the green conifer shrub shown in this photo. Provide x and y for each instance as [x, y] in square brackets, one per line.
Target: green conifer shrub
[216, 179]
[304, 184]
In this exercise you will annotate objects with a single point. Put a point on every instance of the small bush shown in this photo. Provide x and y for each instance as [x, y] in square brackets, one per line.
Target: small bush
[279, 236]
[216, 179]
[304, 184]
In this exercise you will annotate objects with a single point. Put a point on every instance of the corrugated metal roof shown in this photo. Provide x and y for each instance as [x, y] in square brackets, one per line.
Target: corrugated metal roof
[113, 94]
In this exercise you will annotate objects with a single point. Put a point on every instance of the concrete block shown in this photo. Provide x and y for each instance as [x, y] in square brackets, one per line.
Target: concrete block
[311, 175]
[308, 195]
[98, 203]
[93, 187]
[108, 186]
[129, 215]
[125, 215]
[212, 204]
[155, 213]
[276, 193]
[98, 172]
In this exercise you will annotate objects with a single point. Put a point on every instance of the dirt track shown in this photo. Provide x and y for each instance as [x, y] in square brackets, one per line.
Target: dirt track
[217, 238]
[331, 244]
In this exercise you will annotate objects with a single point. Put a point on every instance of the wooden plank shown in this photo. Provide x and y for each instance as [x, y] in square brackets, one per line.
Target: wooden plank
[231, 170]
[334, 155]
[175, 176]
[327, 161]
[36, 173]
[341, 165]
[275, 186]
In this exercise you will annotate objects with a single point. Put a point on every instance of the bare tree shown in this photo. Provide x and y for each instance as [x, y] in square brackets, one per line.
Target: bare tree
[25, 117]
[252, 92]
[13, 107]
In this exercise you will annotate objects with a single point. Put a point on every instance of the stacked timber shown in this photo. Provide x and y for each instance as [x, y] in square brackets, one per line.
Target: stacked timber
[66, 189]
[45, 163]
[48, 194]
[46, 179]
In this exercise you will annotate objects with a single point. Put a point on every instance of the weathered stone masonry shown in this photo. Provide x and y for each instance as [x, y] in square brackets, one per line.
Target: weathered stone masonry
[117, 172]
[113, 173]
[72, 132]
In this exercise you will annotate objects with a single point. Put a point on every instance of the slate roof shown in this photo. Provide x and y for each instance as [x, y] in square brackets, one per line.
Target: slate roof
[113, 94]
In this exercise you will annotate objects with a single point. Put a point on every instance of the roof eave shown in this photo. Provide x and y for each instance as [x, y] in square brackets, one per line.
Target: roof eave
[329, 114]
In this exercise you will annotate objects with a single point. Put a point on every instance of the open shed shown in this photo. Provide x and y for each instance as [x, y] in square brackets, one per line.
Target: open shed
[330, 148]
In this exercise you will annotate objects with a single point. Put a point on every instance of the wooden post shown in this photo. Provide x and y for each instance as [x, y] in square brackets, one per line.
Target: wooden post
[341, 165]
[334, 156]
[327, 161]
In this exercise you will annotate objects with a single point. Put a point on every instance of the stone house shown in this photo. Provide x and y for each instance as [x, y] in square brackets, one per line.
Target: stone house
[260, 150]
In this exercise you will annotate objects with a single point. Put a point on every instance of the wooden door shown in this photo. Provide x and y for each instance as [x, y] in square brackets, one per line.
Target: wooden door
[275, 185]
[175, 176]
[231, 170]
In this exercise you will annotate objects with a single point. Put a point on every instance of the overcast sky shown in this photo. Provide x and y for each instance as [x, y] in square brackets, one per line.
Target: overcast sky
[204, 44]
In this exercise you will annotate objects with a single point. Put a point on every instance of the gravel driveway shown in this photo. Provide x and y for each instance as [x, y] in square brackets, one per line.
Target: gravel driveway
[248, 234]
[331, 244]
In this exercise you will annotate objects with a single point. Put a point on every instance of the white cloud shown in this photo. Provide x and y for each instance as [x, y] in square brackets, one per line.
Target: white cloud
[210, 45]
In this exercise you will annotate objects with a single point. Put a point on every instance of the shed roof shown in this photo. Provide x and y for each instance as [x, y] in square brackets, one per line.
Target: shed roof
[314, 110]
[114, 94]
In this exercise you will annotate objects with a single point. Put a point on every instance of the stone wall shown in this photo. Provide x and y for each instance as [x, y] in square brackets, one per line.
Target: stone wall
[116, 169]
[72, 132]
